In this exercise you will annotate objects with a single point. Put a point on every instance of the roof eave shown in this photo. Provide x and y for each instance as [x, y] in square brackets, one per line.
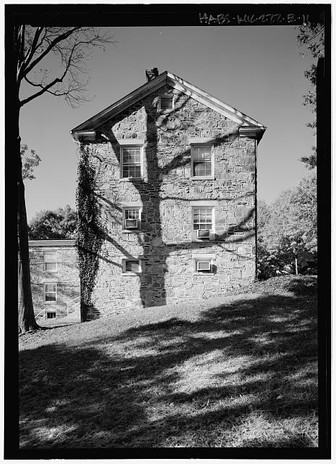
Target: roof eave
[84, 136]
[254, 132]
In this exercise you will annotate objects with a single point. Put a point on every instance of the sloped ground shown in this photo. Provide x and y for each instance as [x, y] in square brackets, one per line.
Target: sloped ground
[235, 371]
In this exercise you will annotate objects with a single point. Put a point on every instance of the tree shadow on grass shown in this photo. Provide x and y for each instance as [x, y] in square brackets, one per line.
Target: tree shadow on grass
[306, 287]
[241, 375]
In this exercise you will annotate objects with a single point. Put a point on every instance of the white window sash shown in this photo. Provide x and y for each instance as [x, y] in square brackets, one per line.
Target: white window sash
[127, 212]
[50, 292]
[198, 220]
[196, 152]
[129, 165]
[50, 260]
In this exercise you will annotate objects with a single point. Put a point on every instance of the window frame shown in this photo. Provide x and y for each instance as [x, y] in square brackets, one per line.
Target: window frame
[124, 264]
[166, 96]
[52, 312]
[212, 233]
[130, 207]
[207, 258]
[127, 147]
[195, 146]
[45, 262]
[45, 292]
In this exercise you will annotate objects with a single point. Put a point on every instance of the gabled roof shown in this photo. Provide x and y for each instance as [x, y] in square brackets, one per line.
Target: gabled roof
[247, 124]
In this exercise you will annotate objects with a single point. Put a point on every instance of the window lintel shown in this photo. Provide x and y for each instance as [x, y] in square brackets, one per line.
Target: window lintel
[205, 203]
[130, 142]
[201, 141]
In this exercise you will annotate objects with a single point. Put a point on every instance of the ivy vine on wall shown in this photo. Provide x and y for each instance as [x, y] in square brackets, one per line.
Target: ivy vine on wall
[89, 233]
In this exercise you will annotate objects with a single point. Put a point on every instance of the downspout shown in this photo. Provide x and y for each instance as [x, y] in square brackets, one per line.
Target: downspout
[256, 209]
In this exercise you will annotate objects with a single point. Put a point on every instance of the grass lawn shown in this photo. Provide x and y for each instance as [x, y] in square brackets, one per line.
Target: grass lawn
[235, 371]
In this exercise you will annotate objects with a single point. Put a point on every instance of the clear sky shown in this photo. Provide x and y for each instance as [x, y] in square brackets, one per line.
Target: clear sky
[257, 70]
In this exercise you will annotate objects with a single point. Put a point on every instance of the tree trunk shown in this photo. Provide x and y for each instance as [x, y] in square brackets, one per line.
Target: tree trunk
[26, 316]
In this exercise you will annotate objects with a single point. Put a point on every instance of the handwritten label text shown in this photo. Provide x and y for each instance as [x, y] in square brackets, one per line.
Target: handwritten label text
[270, 18]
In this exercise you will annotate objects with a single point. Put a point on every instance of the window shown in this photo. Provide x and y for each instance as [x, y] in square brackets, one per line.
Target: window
[131, 162]
[50, 292]
[131, 218]
[131, 266]
[202, 217]
[201, 162]
[50, 261]
[202, 220]
[166, 102]
[50, 314]
[203, 265]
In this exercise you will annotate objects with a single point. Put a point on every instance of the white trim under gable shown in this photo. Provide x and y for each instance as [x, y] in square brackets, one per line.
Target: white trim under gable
[215, 104]
[166, 78]
[207, 103]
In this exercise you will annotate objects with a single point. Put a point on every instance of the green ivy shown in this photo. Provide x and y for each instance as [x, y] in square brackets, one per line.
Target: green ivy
[89, 232]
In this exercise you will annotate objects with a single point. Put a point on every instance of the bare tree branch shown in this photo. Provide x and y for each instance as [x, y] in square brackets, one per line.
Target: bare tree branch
[51, 45]
[51, 84]
[41, 92]
[30, 52]
[71, 49]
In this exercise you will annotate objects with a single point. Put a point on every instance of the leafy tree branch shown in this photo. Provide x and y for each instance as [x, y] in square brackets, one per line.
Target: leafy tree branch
[311, 36]
[30, 160]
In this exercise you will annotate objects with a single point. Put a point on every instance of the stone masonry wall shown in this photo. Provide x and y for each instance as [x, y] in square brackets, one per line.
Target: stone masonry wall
[167, 243]
[66, 277]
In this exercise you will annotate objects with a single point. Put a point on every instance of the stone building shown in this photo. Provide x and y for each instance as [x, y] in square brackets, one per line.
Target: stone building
[54, 278]
[175, 185]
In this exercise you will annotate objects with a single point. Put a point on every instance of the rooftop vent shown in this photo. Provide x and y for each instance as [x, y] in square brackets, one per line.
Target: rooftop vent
[152, 73]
